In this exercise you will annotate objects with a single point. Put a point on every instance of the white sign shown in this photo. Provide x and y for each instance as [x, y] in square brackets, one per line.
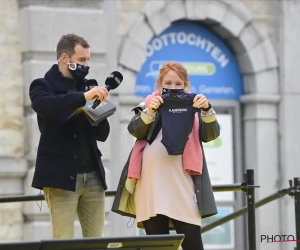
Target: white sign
[219, 157]
[220, 237]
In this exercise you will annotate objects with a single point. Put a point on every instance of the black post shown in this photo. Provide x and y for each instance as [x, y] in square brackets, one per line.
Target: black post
[297, 209]
[251, 210]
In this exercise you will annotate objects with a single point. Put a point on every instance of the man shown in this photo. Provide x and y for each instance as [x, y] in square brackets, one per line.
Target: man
[68, 165]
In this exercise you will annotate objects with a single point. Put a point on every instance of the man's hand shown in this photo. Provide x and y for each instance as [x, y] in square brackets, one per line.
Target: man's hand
[100, 92]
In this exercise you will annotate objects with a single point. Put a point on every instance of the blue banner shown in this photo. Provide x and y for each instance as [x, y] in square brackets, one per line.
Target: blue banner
[213, 70]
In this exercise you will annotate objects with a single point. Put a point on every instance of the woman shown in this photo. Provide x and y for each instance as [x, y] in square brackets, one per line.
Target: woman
[171, 190]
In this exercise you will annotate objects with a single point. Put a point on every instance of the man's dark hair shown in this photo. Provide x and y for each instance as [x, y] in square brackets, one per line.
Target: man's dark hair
[67, 44]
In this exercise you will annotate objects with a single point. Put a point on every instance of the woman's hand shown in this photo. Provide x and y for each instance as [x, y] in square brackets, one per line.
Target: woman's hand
[155, 103]
[200, 101]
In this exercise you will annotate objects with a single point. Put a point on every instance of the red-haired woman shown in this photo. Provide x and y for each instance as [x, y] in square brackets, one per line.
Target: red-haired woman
[172, 191]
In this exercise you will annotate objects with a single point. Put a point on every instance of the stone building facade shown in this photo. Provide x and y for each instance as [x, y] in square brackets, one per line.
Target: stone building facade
[263, 36]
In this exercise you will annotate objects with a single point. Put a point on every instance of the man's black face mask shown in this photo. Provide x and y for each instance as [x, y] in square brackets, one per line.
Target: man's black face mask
[78, 71]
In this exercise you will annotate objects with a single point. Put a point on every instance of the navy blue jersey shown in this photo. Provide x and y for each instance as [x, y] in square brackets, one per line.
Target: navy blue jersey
[177, 116]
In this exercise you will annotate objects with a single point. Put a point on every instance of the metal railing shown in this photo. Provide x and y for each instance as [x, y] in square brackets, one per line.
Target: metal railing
[247, 187]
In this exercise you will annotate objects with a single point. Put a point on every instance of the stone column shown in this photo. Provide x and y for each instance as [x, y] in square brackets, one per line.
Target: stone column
[289, 107]
[12, 163]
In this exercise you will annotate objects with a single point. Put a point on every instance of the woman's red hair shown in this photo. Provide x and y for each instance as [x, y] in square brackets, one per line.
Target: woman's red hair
[179, 69]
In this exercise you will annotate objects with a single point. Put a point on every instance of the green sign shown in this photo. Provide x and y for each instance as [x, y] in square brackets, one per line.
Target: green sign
[197, 68]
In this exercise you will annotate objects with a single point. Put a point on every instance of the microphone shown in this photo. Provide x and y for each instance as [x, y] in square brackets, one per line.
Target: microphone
[112, 81]
[92, 83]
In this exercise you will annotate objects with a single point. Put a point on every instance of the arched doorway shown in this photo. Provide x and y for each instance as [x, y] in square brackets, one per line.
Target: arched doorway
[256, 58]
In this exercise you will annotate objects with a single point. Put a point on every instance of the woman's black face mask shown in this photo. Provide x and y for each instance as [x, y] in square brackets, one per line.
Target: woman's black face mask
[173, 92]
